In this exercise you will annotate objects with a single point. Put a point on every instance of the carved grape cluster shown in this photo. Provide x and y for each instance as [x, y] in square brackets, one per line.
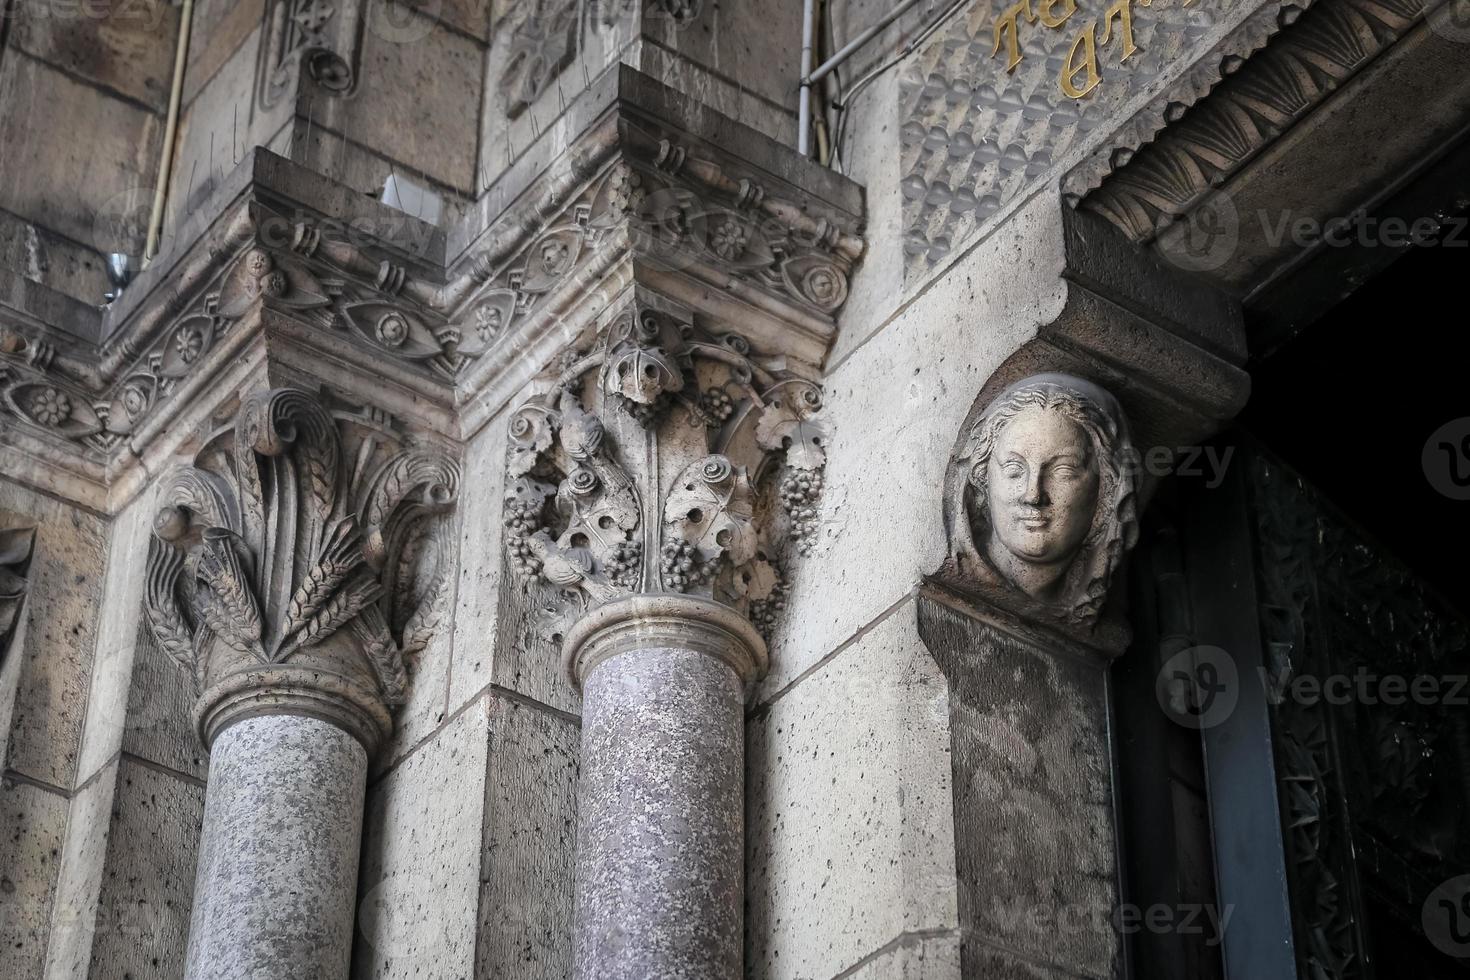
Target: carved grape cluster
[800, 490]
[718, 405]
[626, 563]
[645, 415]
[522, 519]
[683, 568]
[765, 614]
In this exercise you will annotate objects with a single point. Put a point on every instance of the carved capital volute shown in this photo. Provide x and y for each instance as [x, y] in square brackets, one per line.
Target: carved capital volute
[298, 560]
[663, 461]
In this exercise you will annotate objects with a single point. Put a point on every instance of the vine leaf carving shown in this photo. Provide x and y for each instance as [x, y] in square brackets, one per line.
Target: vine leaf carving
[712, 507]
[788, 422]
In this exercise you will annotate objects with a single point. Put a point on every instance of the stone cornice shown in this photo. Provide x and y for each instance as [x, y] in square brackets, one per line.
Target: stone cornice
[1262, 92]
[654, 190]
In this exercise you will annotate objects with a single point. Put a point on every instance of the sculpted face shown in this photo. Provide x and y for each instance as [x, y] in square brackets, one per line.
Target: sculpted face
[1042, 486]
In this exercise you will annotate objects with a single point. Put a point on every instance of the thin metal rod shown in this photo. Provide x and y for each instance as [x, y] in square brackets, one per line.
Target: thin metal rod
[170, 131]
[851, 47]
[804, 113]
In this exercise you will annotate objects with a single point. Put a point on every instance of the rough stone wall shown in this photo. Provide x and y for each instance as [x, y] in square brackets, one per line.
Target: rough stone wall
[101, 767]
[83, 96]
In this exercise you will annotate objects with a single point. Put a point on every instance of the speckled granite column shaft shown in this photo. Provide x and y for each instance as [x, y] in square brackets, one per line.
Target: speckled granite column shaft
[660, 844]
[277, 878]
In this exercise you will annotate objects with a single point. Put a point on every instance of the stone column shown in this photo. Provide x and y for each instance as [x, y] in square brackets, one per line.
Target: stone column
[660, 841]
[277, 877]
[294, 565]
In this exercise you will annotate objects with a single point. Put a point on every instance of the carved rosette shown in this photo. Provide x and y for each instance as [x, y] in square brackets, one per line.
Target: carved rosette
[584, 523]
[298, 561]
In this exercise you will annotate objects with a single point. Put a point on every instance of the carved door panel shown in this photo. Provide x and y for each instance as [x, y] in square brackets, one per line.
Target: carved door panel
[1327, 687]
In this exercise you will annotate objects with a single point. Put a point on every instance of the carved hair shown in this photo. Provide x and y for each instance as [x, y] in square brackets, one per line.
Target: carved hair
[1114, 521]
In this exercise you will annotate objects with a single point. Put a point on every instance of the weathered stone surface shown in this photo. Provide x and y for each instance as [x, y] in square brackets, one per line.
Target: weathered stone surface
[124, 45]
[660, 819]
[278, 859]
[220, 27]
[1033, 797]
[419, 882]
[61, 264]
[850, 829]
[415, 102]
[158, 726]
[61, 633]
[756, 45]
[68, 184]
[894, 407]
[144, 906]
[74, 920]
[921, 956]
[216, 128]
[119, 616]
[527, 844]
[32, 825]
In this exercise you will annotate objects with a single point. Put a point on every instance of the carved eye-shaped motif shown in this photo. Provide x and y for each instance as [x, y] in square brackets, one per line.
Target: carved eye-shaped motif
[486, 320]
[131, 403]
[551, 258]
[55, 409]
[393, 329]
[817, 281]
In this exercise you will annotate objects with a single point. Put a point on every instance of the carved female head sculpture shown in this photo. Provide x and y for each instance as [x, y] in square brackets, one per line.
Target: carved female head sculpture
[1041, 494]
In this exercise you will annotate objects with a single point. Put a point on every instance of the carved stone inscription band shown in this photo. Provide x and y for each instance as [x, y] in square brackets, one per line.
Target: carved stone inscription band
[294, 565]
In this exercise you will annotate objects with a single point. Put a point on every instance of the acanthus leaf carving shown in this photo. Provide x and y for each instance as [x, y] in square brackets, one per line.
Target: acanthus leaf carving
[301, 532]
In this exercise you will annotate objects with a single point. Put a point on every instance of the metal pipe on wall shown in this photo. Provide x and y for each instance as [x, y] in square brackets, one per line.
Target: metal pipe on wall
[804, 110]
[170, 132]
[810, 77]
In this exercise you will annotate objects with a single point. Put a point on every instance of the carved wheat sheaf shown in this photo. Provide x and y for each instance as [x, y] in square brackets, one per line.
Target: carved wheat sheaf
[273, 543]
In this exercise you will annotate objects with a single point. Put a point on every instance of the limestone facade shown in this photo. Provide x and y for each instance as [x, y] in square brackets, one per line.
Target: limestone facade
[527, 521]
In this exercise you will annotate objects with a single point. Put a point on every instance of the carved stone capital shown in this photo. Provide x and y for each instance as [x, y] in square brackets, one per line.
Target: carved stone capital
[298, 560]
[675, 621]
[663, 459]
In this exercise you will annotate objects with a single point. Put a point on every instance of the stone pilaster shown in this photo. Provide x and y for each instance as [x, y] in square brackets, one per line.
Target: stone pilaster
[294, 565]
[661, 480]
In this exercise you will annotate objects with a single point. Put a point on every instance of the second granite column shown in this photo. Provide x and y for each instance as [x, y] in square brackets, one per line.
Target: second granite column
[660, 859]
